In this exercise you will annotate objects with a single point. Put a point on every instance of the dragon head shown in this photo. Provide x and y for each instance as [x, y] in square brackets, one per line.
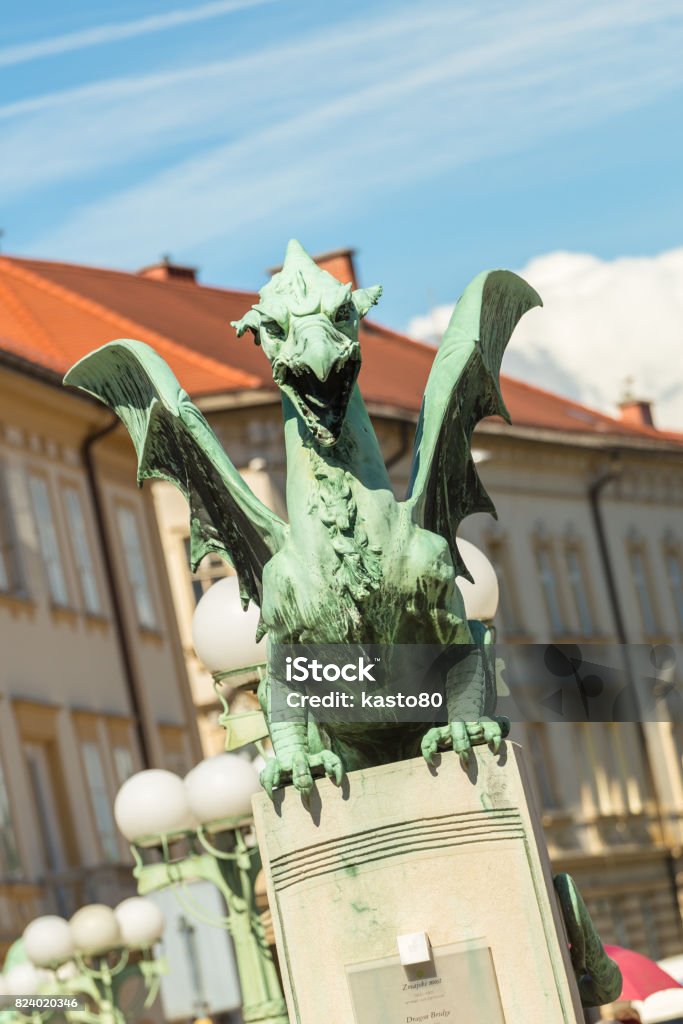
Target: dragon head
[307, 323]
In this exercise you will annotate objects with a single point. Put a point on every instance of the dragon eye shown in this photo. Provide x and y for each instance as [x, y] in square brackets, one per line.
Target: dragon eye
[344, 312]
[273, 328]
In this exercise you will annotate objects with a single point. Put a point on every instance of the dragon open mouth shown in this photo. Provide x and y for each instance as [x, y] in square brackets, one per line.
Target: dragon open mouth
[322, 403]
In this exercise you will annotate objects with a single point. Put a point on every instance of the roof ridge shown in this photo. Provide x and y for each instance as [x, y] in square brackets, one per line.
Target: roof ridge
[630, 428]
[80, 301]
[90, 269]
[634, 428]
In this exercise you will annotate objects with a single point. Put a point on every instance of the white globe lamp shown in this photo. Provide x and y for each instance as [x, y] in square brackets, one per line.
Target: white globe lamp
[152, 803]
[48, 941]
[140, 921]
[224, 635]
[480, 597]
[3, 987]
[23, 980]
[95, 930]
[221, 787]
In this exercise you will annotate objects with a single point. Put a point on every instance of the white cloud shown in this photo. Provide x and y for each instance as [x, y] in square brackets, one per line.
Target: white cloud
[602, 321]
[22, 53]
[369, 104]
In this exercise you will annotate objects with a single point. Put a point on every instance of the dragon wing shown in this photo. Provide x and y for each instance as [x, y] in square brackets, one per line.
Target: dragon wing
[174, 442]
[464, 387]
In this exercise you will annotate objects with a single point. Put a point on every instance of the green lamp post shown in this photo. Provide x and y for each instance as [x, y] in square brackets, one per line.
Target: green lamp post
[78, 968]
[200, 828]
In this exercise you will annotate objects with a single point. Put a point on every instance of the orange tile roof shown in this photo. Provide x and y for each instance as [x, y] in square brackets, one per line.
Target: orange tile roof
[52, 314]
[46, 321]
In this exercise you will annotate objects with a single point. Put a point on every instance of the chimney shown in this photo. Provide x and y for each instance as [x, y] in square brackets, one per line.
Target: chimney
[636, 412]
[165, 270]
[340, 263]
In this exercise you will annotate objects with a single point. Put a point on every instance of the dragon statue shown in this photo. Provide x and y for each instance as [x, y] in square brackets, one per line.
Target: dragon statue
[354, 565]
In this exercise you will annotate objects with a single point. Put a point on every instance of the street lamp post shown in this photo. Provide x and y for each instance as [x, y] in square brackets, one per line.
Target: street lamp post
[201, 828]
[91, 956]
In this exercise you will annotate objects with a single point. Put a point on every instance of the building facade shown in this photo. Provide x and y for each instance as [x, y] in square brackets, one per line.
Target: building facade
[588, 548]
[92, 678]
[611, 791]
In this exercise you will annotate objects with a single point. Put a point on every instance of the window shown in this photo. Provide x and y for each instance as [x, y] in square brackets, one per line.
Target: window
[674, 572]
[546, 571]
[579, 590]
[135, 564]
[81, 548]
[10, 866]
[640, 582]
[506, 606]
[211, 568]
[41, 766]
[47, 539]
[123, 764]
[101, 800]
[10, 576]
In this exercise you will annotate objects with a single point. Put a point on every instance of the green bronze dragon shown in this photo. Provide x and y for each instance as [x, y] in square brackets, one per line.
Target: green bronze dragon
[353, 565]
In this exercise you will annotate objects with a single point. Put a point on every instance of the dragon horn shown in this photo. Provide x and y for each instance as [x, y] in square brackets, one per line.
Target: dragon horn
[296, 257]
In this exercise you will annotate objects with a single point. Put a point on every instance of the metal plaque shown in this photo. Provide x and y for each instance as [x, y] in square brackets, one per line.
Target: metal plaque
[458, 984]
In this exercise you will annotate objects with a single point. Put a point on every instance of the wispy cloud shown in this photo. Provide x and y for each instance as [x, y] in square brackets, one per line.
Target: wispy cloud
[333, 118]
[74, 133]
[115, 32]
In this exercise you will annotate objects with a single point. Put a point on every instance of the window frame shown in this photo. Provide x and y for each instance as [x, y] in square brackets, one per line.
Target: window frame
[39, 755]
[11, 562]
[107, 836]
[137, 571]
[543, 549]
[637, 550]
[9, 839]
[118, 749]
[37, 478]
[71, 487]
[672, 552]
[581, 594]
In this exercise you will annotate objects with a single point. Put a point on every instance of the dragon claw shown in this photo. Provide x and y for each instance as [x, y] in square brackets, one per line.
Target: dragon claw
[298, 770]
[270, 776]
[462, 736]
[429, 746]
[330, 763]
[301, 774]
[334, 769]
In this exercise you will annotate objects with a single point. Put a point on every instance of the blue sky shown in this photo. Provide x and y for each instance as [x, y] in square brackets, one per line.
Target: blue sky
[438, 138]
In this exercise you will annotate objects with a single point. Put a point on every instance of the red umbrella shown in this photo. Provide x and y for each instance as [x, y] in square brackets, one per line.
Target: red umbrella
[641, 975]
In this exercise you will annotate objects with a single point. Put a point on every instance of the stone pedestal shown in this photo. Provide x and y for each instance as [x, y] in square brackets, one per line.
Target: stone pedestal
[400, 850]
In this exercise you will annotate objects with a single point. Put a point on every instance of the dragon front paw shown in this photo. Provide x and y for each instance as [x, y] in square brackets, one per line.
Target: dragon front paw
[462, 736]
[297, 768]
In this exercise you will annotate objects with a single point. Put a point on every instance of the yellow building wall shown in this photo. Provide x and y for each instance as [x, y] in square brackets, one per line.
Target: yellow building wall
[63, 690]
